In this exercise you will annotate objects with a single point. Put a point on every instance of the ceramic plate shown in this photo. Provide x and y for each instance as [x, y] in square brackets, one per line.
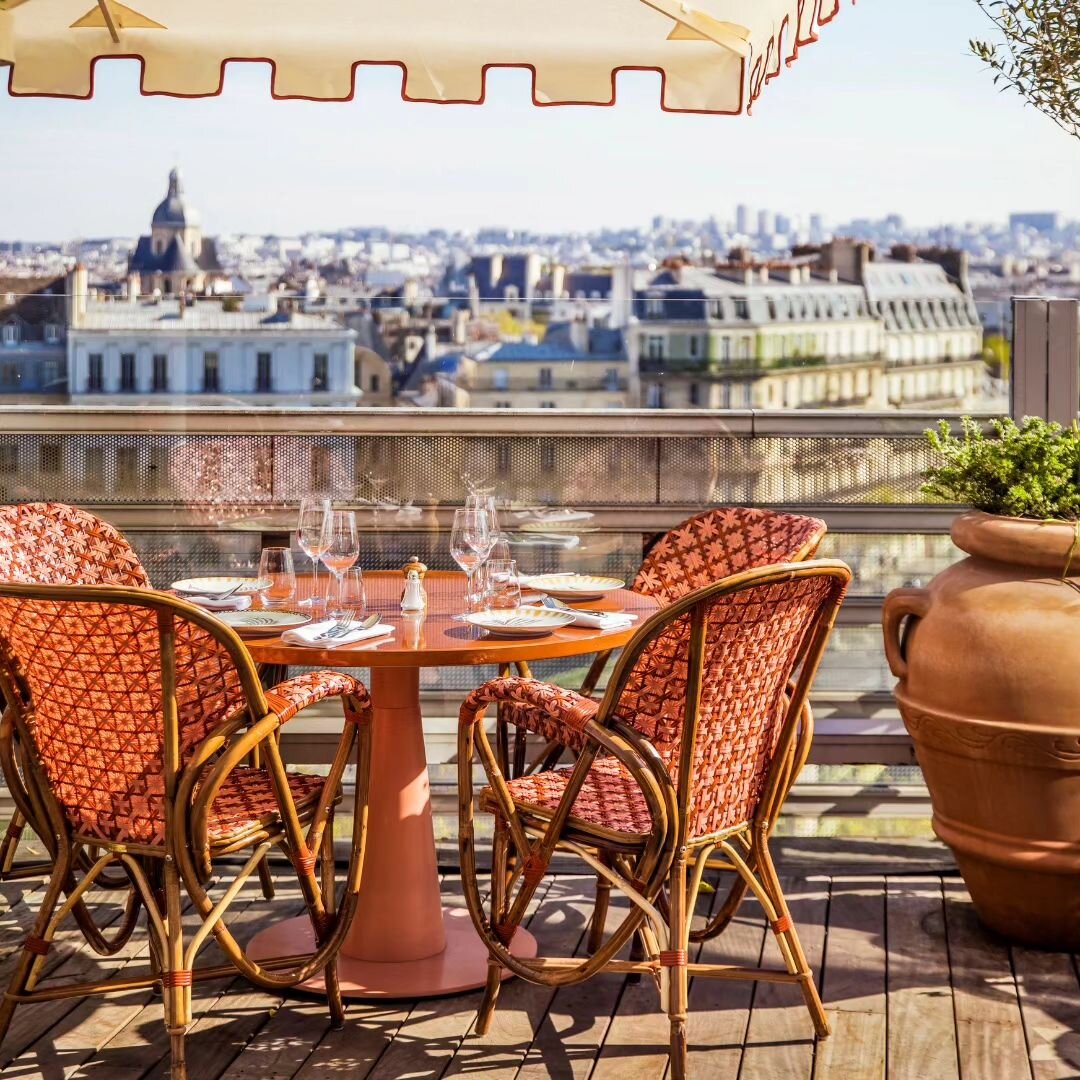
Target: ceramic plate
[197, 586]
[575, 586]
[520, 622]
[262, 623]
[558, 528]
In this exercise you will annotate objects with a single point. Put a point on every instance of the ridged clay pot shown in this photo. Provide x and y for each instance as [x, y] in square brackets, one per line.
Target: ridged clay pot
[989, 670]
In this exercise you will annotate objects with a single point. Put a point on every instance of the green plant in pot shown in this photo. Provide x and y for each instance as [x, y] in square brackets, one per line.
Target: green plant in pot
[988, 657]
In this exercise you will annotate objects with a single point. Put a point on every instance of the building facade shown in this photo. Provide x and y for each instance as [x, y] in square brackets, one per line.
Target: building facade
[831, 328]
[177, 352]
[34, 316]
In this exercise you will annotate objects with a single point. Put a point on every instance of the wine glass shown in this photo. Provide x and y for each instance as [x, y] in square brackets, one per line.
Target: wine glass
[310, 527]
[341, 546]
[470, 543]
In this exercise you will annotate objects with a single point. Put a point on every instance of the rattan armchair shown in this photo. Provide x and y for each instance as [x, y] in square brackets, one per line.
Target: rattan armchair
[52, 544]
[136, 713]
[705, 548]
[689, 753]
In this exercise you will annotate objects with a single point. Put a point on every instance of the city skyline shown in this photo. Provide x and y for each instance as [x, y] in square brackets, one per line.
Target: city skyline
[841, 131]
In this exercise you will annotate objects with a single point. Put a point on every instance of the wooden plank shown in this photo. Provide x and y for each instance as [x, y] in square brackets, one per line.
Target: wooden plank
[1063, 361]
[141, 1047]
[720, 1008]
[922, 1027]
[639, 1035]
[569, 1038]
[429, 1038]
[559, 924]
[989, 1026]
[1028, 385]
[853, 983]
[70, 959]
[1050, 1006]
[780, 1038]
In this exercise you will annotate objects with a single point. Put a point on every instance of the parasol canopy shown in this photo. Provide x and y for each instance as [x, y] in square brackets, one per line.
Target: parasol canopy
[713, 56]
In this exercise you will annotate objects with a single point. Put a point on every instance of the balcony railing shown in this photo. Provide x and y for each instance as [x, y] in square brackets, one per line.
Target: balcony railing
[200, 491]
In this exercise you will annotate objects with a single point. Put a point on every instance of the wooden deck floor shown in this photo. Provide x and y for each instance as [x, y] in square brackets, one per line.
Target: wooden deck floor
[914, 988]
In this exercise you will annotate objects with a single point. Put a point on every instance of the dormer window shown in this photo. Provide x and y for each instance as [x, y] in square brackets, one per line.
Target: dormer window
[52, 333]
[654, 306]
[10, 334]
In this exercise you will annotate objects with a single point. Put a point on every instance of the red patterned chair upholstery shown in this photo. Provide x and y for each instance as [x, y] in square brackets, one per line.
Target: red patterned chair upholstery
[705, 548]
[53, 544]
[688, 754]
[136, 713]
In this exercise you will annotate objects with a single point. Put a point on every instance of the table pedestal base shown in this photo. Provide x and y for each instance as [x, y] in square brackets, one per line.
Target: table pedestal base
[461, 966]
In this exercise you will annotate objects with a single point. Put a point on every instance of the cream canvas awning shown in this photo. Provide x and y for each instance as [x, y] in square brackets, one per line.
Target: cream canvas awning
[713, 56]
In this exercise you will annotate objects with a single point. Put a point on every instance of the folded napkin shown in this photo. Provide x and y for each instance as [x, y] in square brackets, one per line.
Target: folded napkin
[230, 603]
[604, 620]
[306, 635]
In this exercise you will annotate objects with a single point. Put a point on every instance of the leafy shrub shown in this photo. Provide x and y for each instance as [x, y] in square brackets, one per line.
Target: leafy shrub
[1029, 470]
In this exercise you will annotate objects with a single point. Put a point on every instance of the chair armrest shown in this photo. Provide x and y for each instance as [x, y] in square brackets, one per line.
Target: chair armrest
[294, 695]
[558, 714]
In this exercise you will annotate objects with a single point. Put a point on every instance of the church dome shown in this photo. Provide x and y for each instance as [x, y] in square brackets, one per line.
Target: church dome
[173, 212]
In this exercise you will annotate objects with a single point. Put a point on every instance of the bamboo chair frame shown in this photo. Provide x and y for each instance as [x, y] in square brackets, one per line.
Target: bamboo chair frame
[517, 765]
[159, 873]
[661, 872]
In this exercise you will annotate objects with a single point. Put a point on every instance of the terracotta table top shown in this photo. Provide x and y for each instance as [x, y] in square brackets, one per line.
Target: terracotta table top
[439, 640]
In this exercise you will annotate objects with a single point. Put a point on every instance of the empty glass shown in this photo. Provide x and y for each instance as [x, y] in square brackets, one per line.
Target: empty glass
[470, 543]
[351, 597]
[502, 585]
[341, 544]
[276, 569]
[310, 529]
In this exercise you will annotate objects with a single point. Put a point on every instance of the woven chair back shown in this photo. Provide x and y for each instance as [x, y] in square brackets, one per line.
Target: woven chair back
[89, 673]
[750, 635]
[62, 545]
[721, 542]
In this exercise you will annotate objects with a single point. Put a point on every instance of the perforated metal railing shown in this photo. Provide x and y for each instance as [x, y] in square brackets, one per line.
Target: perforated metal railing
[200, 491]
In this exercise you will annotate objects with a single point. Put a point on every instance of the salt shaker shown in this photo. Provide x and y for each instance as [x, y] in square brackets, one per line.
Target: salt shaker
[414, 598]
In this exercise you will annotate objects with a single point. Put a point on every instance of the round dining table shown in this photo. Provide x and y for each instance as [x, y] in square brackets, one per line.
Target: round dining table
[403, 942]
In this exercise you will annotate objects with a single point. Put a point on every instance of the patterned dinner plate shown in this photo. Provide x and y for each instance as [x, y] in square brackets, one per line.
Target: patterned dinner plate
[520, 622]
[575, 586]
[260, 623]
[197, 586]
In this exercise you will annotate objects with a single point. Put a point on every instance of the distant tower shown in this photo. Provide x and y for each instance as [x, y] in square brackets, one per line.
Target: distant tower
[175, 257]
[766, 225]
[742, 218]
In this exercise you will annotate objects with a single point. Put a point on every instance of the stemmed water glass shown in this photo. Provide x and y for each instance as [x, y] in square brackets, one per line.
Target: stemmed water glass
[470, 543]
[340, 548]
[481, 500]
[310, 530]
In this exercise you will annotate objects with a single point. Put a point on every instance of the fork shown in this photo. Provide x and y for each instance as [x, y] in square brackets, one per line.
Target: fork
[340, 628]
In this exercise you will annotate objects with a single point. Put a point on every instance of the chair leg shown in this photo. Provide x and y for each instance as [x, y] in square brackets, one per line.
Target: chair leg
[176, 981]
[25, 966]
[10, 843]
[675, 966]
[787, 938]
[266, 879]
[486, 1012]
[333, 983]
[600, 910]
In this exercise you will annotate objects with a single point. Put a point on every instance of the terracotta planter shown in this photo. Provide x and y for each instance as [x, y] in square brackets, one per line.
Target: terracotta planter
[989, 670]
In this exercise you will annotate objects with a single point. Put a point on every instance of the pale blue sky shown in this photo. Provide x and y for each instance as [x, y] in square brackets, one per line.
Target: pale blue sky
[887, 112]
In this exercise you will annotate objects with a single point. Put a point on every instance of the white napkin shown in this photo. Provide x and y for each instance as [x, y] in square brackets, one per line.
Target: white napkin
[604, 620]
[212, 603]
[305, 635]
